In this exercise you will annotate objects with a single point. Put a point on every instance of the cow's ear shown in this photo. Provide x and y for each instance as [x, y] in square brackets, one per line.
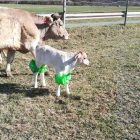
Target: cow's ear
[48, 19]
[56, 16]
[78, 56]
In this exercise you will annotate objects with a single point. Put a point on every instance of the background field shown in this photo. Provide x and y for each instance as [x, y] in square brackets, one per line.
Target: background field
[59, 8]
[105, 96]
[104, 100]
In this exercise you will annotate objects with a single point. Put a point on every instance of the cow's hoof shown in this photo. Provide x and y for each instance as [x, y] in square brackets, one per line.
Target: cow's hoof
[43, 87]
[9, 74]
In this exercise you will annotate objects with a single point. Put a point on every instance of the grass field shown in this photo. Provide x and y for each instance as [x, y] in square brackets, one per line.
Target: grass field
[105, 96]
[59, 8]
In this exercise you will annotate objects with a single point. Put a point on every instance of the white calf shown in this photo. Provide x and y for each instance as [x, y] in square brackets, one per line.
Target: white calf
[62, 62]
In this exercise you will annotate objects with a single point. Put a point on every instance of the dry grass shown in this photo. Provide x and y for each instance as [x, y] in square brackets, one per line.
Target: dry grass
[104, 100]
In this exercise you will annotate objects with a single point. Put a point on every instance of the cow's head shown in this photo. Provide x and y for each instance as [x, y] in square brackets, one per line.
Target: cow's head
[56, 29]
[81, 58]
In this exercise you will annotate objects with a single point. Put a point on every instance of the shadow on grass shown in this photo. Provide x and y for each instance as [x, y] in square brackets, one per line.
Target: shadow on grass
[10, 89]
[2, 73]
[19, 74]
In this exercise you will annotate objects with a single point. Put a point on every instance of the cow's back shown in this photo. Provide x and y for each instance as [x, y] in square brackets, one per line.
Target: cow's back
[26, 20]
[20, 15]
[29, 35]
[10, 33]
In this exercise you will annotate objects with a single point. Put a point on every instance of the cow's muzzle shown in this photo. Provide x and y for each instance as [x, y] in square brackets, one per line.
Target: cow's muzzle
[66, 37]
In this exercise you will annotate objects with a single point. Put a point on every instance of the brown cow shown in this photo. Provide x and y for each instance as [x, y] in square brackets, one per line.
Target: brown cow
[22, 31]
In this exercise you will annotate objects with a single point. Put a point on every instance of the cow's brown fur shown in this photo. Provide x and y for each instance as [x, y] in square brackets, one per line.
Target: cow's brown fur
[10, 33]
[22, 31]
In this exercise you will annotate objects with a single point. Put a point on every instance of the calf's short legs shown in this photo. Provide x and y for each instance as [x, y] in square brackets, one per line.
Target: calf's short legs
[67, 87]
[58, 90]
[42, 79]
[10, 58]
[35, 80]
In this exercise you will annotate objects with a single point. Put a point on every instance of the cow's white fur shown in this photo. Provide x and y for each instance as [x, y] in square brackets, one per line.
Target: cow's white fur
[62, 62]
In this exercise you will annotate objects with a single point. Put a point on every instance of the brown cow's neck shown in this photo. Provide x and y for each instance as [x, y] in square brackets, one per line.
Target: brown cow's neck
[37, 19]
[43, 28]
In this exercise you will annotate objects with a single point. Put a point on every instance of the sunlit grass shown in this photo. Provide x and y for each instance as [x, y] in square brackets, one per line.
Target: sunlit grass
[104, 100]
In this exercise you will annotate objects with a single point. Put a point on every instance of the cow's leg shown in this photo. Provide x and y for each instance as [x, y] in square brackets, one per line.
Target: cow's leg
[42, 80]
[5, 55]
[35, 80]
[67, 87]
[58, 90]
[0, 59]
[10, 58]
[33, 52]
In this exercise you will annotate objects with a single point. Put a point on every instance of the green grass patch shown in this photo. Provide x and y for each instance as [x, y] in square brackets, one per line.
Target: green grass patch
[59, 8]
[104, 99]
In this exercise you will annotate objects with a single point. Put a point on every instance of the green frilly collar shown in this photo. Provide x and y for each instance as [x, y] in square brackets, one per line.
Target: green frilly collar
[35, 69]
[58, 79]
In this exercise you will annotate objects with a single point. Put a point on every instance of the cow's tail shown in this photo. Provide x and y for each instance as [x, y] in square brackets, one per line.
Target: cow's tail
[4, 53]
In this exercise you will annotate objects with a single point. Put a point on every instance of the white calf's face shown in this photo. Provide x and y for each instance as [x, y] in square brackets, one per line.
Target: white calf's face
[82, 58]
